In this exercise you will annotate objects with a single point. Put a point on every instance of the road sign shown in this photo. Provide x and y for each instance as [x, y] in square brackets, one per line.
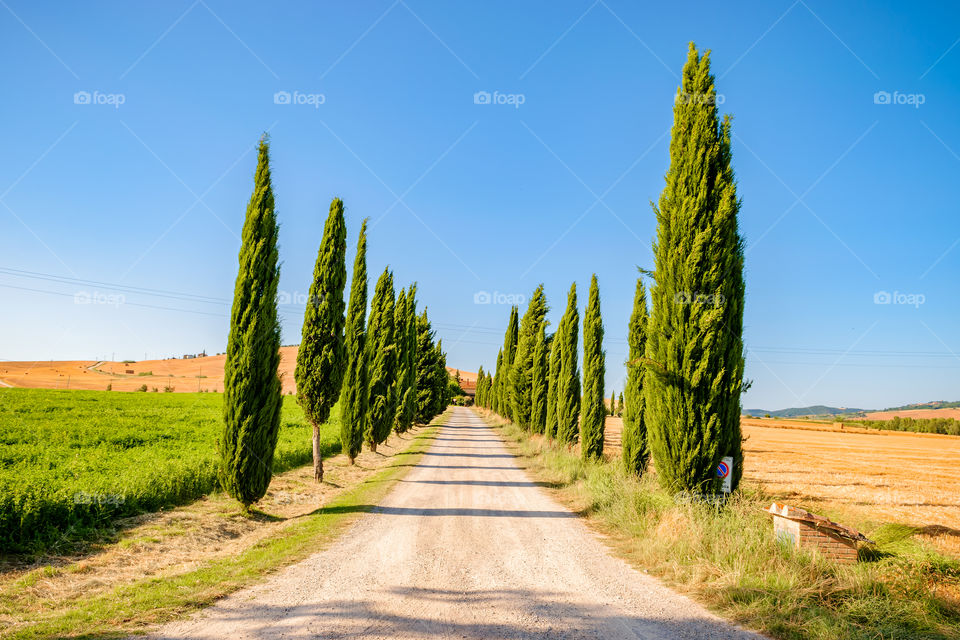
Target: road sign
[725, 473]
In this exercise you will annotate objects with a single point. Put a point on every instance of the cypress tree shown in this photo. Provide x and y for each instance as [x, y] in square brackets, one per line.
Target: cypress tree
[550, 427]
[251, 386]
[694, 361]
[382, 356]
[509, 354]
[478, 392]
[321, 358]
[635, 449]
[353, 398]
[620, 405]
[594, 408]
[486, 392]
[538, 383]
[613, 402]
[405, 322]
[494, 391]
[568, 379]
[426, 369]
[521, 373]
[440, 388]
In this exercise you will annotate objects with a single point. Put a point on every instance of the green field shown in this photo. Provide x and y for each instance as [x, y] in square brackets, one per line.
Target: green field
[73, 461]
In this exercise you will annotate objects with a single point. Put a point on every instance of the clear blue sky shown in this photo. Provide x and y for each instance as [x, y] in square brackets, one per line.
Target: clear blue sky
[842, 197]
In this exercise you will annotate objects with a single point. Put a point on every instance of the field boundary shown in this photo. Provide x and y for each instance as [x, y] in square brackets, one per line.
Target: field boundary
[759, 422]
[136, 607]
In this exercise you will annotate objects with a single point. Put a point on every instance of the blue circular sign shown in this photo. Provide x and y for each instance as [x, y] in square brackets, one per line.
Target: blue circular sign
[723, 470]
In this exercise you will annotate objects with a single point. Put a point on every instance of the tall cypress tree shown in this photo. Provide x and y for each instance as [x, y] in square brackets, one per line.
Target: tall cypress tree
[321, 358]
[427, 357]
[440, 383]
[251, 386]
[494, 389]
[382, 356]
[521, 373]
[635, 449]
[478, 392]
[694, 362]
[594, 409]
[538, 383]
[406, 357]
[550, 427]
[568, 379]
[613, 402]
[510, 338]
[353, 398]
[620, 405]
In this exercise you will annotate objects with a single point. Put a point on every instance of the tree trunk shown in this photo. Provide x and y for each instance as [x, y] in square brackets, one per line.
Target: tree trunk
[317, 458]
[373, 446]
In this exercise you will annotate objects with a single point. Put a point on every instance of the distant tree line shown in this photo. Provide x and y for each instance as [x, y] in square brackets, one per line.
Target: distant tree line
[387, 371]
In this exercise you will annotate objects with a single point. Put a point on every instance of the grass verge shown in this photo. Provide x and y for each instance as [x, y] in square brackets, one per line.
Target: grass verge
[729, 560]
[132, 608]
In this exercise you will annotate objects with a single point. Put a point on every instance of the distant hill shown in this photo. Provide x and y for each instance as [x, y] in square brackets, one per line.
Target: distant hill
[935, 404]
[793, 412]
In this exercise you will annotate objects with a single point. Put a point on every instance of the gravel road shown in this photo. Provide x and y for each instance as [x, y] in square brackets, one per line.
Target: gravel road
[465, 546]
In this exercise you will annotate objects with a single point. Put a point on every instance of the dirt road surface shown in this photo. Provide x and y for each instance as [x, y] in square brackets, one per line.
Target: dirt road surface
[466, 546]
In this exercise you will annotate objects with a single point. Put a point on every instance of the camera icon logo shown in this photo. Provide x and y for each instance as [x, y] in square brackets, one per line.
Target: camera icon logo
[881, 97]
[481, 297]
[481, 97]
[82, 297]
[882, 297]
[281, 97]
[81, 97]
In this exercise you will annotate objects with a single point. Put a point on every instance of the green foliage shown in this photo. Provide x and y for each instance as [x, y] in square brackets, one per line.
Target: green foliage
[694, 361]
[538, 383]
[382, 356]
[494, 390]
[432, 393]
[635, 450]
[251, 385]
[568, 379]
[521, 372]
[553, 378]
[406, 323]
[945, 426]
[73, 461]
[593, 412]
[353, 397]
[481, 383]
[510, 338]
[321, 358]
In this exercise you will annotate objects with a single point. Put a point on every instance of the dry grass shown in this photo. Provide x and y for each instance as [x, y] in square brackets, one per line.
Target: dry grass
[881, 476]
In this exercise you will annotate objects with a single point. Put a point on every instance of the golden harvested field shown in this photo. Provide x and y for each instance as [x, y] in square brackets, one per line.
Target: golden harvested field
[883, 476]
[914, 413]
[184, 376]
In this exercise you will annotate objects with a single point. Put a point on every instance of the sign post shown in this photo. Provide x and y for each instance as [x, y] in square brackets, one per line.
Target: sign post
[725, 473]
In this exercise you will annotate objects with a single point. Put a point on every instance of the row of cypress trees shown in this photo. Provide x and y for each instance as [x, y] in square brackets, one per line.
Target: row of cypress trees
[681, 404]
[386, 372]
[537, 383]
